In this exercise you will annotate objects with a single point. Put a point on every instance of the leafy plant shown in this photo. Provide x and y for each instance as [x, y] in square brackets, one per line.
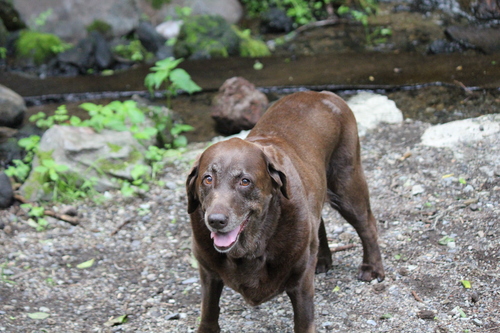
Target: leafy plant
[174, 79]
[134, 51]
[3, 52]
[38, 213]
[42, 18]
[21, 168]
[301, 11]
[368, 7]
[157, 4]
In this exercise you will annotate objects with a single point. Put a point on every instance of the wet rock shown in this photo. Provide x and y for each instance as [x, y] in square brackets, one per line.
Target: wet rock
[6, 193]
[12, 108]
[113, 153]
[443, 46]
[372, 109]
[3, 36]
[486, 9]
[275, 20]
[91, 52]
[10, 16]
[238, 106]
[102, 51]
[486, 39]
[152, 41]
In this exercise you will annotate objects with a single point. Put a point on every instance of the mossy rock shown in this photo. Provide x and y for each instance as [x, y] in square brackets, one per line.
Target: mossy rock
[251, 47]
[101, 27]
[206, 36]
[38, 46]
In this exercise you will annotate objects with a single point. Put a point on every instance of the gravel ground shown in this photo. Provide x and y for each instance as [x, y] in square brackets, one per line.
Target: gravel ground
[143, 266]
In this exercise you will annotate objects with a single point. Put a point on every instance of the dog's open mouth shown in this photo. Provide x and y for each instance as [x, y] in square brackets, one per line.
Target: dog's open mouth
[224, 241]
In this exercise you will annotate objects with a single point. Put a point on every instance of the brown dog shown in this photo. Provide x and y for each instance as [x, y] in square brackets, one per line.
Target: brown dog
[255, 206]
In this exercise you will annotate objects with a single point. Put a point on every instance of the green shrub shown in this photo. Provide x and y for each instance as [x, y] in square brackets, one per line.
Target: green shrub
[39, 46]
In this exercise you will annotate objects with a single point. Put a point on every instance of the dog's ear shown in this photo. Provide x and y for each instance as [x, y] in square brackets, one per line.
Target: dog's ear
[191, 188]
[274, 167]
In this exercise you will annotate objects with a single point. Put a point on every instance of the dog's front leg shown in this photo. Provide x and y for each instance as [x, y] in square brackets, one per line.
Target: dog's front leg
[302, 297]
[211, 290]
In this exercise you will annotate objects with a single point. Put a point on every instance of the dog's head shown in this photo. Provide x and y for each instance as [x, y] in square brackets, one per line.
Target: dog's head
[234, 183]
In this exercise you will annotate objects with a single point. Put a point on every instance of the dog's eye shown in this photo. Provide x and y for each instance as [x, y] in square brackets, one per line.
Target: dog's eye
[244, 182]
[208, 180]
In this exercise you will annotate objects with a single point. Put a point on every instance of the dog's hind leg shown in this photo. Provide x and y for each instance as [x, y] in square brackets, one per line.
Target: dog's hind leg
[348, 194]
[324, 263]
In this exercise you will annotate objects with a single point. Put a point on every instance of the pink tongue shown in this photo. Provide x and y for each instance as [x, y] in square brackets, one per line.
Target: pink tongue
[225, 239]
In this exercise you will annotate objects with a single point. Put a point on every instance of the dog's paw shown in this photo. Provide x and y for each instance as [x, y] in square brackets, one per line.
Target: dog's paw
[208, 328]
[369, 272]
[324, 264]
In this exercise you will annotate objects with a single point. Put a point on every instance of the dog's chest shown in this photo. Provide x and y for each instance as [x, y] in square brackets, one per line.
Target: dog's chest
[257, 280]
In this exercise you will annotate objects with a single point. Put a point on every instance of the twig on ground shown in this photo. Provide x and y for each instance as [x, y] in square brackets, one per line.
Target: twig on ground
[127, 221]
[66, 218]
[417, 298]
[343, 247]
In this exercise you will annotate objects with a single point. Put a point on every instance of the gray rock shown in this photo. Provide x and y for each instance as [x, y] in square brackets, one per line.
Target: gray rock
[12, 108]
[113, 153]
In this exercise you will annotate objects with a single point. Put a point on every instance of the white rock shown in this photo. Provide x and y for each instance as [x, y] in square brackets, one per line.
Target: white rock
[458, 132]
[169, 29]
[372, 109]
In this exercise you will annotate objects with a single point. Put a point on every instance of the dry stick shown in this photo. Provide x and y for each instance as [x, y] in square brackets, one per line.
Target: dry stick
[343, 248]
[127, 221]
[13, 277]
[70, 219]
[417, 298]
[20, 198]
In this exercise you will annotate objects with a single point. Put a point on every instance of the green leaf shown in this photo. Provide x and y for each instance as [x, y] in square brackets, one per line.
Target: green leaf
[38, 315]
[336, 289]
[386, 316]
[466, 284]
[258, 66]
[179, 128]
[445, 240]
[116, 321]
[86, 264]
[180, 141]
[182, 80]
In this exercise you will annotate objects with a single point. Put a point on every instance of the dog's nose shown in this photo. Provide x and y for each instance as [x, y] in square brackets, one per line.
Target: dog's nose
[217, 221]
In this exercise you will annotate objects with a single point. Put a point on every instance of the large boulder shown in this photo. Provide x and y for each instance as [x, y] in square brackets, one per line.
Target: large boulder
[106, 156]
[69, 18]
[230, 10]
[12, 108]
[238, 106]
